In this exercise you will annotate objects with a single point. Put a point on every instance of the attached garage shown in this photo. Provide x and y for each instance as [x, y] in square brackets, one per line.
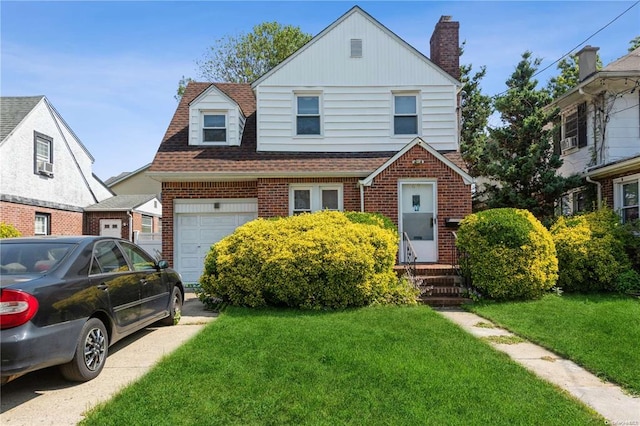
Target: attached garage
[201, 223]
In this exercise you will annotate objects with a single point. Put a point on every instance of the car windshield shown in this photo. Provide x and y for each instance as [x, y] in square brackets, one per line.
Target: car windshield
[31, 258]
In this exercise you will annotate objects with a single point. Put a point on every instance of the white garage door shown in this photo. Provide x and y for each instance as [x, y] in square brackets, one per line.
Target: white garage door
[197, 232]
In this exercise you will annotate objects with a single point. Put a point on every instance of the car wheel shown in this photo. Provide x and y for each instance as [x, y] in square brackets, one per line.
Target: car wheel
[91, 353]
[175, 308]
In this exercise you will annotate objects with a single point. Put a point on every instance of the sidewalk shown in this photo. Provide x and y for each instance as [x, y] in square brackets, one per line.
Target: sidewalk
[607, 399]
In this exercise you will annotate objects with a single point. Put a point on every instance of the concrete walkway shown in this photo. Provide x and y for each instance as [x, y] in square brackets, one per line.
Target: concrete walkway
[45, 398]
[607, 399]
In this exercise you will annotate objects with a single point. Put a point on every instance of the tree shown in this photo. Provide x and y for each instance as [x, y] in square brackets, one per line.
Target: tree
[569, 76]
[635, 43]
[475, 112]
[244, 58]
[519, 157]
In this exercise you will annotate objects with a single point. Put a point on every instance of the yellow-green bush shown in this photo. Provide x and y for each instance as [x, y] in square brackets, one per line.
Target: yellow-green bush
[510, 254]
[320, 260]
[8, 231]
[590, 254]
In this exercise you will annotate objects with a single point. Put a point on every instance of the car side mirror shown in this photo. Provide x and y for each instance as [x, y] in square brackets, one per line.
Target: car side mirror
[163, 264]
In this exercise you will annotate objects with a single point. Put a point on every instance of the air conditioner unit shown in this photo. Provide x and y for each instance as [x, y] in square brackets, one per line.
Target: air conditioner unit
[45, 168]
[569, 143]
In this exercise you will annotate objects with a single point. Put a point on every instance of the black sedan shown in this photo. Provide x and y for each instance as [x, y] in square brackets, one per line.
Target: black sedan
[65, 300]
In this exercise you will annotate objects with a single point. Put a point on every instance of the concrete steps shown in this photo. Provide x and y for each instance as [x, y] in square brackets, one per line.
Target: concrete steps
[440, 285]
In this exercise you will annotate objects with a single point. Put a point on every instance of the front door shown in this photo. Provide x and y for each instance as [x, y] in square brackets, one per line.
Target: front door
[418, 219]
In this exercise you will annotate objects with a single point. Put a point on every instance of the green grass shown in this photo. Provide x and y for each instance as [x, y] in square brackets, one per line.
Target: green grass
[371, 366]
[599, 332]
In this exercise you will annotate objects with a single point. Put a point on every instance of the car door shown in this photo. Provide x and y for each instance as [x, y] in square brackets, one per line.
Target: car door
[111, 273]
[154, 291]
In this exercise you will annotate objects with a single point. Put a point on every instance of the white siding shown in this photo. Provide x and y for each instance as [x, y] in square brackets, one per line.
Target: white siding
[623, 129]
[72, 165]
[214, 101]
[151, 207]
[356, 94]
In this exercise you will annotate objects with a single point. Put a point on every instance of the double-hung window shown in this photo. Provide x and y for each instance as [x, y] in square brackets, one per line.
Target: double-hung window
[405, 114]
[214, 127]
[42, 224]
[147, 224]
[575, 128]
[308, 114]
[627, 198]
[43, 154]
[311, 198]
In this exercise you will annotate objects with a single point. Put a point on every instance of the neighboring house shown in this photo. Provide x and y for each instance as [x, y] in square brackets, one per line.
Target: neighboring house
[135, 217]
[134, 183]
[355, 120]
[600, 136]
[46, 177]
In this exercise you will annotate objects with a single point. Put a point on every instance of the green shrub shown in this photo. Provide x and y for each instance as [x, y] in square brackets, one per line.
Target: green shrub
[590, 252]
[629, 234]
[628, 282]
[377, 219]
[320, 260]
[509, 254]
[8, 231]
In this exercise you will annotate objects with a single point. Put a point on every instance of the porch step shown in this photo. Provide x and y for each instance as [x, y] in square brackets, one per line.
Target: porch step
[443, 301]
[439, 280]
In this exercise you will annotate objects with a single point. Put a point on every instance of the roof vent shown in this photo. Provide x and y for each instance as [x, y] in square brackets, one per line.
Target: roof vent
[356, 48]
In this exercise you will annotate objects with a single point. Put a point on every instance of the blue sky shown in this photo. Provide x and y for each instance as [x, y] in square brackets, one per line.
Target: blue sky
[111, 68]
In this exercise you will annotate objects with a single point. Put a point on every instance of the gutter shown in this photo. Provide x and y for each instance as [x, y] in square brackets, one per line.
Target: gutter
[598, 189]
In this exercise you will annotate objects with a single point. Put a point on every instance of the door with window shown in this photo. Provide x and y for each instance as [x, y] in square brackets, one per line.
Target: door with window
[111, 228]
[418, 219]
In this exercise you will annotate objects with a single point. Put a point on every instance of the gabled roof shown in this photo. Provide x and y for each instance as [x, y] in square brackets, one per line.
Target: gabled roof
[13, 109]
[125, 175]
[121, 203]
[629, 62]
[353, 10]
[450, 162]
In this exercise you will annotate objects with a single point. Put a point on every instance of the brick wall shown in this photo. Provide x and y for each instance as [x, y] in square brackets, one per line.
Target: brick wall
[92, 222]
[196, 190]
[454, 197]
[608, 187]
[22, 216]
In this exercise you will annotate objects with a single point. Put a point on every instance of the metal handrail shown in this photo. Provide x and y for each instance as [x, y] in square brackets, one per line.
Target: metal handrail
[410, 258]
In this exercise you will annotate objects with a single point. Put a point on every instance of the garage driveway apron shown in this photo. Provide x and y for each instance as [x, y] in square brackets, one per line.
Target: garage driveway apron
[45, 398]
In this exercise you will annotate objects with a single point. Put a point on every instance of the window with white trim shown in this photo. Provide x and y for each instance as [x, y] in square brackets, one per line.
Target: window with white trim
[147, 224]
[311, 198]
[574, 125]
[627, 197]
[42, 224]
[405, 114]
[214, 127]
[308, 114]
[43, 154]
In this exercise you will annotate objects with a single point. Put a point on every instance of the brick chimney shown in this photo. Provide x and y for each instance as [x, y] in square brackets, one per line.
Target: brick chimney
[587, 58]
[445, 46]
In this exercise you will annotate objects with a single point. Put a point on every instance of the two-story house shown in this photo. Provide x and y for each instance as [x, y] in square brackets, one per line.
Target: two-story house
[46, 177]
[601, 134]
[355, 120]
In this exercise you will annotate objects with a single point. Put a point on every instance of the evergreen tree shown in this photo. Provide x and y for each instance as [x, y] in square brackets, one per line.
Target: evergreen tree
[519, 156]
[475, 112]
[569, 76]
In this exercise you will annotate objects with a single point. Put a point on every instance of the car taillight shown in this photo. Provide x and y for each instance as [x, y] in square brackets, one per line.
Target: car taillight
[16, 308]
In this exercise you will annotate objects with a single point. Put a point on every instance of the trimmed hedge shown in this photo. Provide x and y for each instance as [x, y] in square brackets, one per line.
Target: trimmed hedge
[8, 231]
[591, 254]
[510, 254]
[320, 260]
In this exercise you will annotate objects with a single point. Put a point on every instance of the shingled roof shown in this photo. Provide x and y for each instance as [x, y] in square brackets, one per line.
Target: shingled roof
[13, 109]
[175, 155]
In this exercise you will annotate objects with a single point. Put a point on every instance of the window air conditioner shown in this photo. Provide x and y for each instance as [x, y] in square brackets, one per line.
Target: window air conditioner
[45, 168]
[569, 143]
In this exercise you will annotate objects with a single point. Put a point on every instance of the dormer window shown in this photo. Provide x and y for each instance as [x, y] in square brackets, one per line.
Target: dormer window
[214, 127]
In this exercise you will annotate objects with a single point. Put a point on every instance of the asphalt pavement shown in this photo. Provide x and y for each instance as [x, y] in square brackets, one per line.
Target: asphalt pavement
[45, 398]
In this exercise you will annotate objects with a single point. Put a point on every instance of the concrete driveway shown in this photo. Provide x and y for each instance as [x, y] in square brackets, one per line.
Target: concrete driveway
[45, 398]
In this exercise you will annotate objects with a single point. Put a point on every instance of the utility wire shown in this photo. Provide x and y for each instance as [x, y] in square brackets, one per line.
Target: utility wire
[580, 44]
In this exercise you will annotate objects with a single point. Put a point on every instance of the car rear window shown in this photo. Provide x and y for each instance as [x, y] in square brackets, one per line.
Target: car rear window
[31, 258]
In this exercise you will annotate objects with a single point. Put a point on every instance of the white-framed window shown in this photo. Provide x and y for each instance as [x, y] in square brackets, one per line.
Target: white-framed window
[627, 197]
[305, 198]
[214, 127]
[356, 48]
[42, 224]
[147, 224]
[405, 114]
[308, 115]
[43, 154]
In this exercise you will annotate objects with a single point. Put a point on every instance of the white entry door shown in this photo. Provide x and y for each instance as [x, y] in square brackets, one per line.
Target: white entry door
[111, 228]
[417, 218]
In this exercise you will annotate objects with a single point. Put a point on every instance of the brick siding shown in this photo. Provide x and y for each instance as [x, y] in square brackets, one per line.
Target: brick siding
[22, 216]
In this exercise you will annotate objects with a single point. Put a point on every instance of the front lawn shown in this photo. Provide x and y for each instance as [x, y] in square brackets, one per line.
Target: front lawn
[599, 332]
[379, 365]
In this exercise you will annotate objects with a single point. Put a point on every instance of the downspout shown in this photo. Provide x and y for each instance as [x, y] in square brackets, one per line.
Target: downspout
[361, 197]
[598, 190]
[130, 225]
